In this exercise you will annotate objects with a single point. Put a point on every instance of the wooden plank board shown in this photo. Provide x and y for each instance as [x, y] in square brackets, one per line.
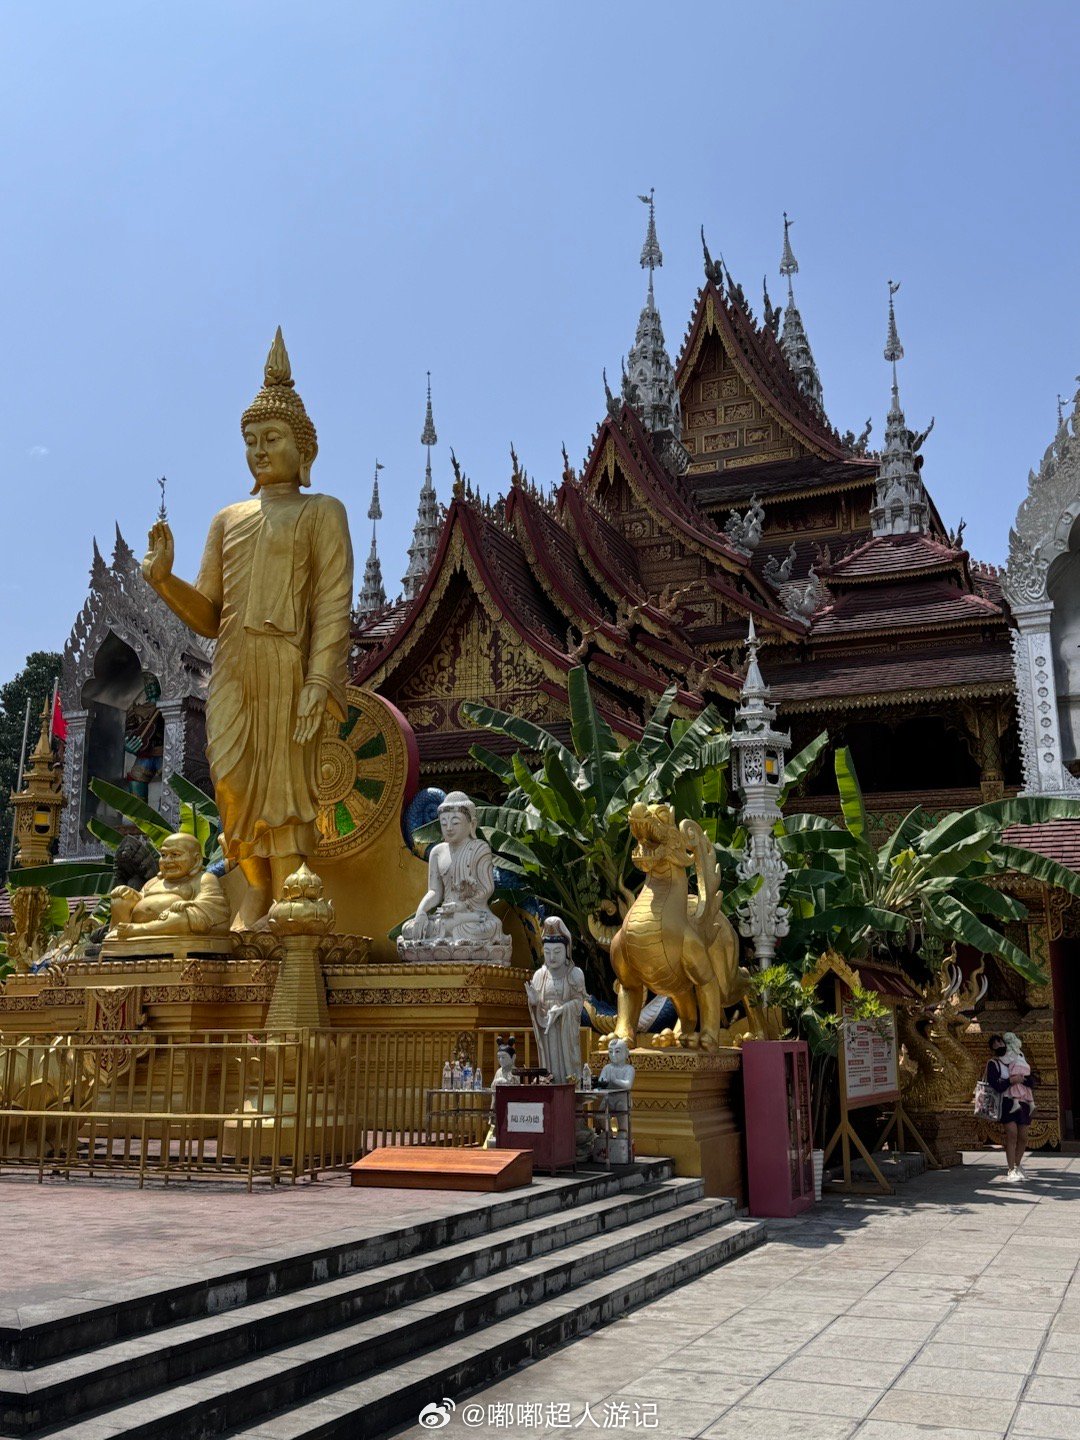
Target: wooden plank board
[433, 1167]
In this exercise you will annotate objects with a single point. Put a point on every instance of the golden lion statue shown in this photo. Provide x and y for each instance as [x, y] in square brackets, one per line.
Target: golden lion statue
[670, 941]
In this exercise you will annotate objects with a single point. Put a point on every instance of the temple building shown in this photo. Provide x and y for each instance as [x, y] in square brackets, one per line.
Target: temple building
[716, 491]
[133, 691]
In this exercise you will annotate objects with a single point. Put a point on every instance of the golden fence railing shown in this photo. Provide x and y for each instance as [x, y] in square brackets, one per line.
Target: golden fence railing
[267, 1105]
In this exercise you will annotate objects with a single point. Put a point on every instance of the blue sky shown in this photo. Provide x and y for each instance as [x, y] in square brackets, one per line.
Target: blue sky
[452, 186]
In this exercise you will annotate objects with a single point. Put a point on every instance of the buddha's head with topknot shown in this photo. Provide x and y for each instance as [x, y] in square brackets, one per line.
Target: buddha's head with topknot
[280, 438]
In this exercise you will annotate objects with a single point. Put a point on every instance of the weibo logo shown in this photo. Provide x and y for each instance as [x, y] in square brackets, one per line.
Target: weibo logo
[435, 1416]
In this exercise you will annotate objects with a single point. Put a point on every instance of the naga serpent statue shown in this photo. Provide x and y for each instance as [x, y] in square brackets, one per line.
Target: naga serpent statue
[671, 942]
[930, 1029]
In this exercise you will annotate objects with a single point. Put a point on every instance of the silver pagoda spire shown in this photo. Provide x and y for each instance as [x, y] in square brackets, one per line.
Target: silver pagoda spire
[649, 376]
[373, 595]
[900, 504]
[794, 345]
[425, 538]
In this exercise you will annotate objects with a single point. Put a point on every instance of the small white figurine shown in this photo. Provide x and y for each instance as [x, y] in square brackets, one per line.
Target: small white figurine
[614, 1085]
[452, 921]
[504, 1075]
[556, 994]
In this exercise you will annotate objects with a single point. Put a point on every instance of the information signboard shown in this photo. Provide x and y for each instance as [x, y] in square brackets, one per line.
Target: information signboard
[870, 1070]
[521, 1117]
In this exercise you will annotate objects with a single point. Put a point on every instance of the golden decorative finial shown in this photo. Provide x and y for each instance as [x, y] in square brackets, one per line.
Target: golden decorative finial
[38, 803]
[459, 478]
[278, 400]
[278, 370]
[569, 474]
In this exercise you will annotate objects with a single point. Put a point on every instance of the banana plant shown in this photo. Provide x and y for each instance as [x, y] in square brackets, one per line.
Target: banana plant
[932, 883]
[563, 828]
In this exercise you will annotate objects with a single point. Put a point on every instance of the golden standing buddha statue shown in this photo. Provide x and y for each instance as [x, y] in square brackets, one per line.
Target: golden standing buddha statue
[275, 590]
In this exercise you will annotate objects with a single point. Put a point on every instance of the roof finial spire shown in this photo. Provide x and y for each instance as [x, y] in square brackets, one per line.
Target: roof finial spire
[793, 342]
[788, 264]
[900, 505]
[652, 257]
[648, 376]
[163, 514]
[373, 596]
[894, 351]
[428, 437]
[425, 540]
[375, 508]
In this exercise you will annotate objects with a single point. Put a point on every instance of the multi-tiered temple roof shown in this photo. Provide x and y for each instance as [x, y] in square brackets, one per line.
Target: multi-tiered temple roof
[734, 498]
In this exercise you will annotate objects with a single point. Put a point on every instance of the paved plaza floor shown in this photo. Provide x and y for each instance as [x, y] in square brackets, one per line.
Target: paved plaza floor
[948, 1312]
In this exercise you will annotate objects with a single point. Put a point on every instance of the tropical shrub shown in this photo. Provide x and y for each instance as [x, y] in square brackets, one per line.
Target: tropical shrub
[563, 829]
[933, 883]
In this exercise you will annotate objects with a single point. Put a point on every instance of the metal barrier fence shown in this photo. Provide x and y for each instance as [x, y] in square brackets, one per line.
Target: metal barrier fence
[267, 1105]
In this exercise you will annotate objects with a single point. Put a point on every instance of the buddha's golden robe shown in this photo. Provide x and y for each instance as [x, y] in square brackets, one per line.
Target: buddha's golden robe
[280, 569]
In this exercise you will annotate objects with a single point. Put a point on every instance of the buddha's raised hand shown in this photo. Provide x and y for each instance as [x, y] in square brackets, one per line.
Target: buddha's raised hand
[158, 561]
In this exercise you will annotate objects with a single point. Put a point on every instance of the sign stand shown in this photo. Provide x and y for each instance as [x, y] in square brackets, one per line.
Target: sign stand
[866, 1061]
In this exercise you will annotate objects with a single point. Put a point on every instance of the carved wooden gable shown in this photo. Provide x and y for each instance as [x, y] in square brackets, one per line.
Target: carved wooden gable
[473, 660]
[725, 425]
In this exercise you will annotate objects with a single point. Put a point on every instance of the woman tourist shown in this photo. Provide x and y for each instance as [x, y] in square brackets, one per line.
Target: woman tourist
[1007, 1073]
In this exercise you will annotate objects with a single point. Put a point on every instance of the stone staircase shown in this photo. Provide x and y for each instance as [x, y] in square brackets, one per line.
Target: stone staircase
[356, 1339]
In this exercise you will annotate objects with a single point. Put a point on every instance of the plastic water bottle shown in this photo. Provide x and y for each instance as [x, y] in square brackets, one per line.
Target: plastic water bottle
[455, 1082]
[466, 1076]
[586, 1077]
[447, 1076]
[478, 1079]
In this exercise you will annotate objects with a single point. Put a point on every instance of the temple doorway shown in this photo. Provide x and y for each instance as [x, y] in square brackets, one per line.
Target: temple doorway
[125, 733]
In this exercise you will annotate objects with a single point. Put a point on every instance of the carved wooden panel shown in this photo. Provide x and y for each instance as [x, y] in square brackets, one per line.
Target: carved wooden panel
[723, 417]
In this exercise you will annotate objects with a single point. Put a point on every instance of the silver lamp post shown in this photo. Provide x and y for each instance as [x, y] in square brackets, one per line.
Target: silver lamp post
[758, 752]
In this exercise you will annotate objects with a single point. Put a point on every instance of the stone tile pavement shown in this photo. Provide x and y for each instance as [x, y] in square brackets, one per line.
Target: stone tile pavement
[950, 1311]
[89, 1237]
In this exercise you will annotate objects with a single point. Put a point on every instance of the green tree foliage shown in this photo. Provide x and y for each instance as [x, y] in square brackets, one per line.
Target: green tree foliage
[34, 682]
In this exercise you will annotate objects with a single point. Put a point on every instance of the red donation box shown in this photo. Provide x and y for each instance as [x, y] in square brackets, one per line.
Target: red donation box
[539, 1118]
[776, 1090]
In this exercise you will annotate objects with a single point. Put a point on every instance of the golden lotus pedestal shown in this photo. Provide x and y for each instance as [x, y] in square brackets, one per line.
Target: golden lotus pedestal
[686, 1105]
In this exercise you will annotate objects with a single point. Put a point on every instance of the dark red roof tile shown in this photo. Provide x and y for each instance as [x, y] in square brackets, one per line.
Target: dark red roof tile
[930, 604]
[1057, 839]
[797, 684]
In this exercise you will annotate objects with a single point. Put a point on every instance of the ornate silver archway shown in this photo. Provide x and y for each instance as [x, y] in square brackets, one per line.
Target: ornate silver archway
[120, 603]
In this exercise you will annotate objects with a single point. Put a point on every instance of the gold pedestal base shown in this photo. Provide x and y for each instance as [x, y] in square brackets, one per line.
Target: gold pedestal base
[299, 998]
[173, 947]
[683, 1108]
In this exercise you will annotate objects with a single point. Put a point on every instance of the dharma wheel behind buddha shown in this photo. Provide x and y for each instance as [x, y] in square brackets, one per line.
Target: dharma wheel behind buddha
[368, 765]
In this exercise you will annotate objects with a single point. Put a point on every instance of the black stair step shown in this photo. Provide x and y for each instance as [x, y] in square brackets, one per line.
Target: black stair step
[114, 1374]
[394, 1397]
[85, 1325]
[243, 1393]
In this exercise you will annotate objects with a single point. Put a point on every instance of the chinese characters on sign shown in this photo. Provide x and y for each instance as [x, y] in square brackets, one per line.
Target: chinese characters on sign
[525, 1117]
[869, 1058]
[538, 1415]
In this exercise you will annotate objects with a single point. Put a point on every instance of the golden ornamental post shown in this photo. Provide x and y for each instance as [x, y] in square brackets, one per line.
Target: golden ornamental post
[38, 804]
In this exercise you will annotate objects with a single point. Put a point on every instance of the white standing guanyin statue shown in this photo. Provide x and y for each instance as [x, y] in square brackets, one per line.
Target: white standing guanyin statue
[556, 994]
[452, 921]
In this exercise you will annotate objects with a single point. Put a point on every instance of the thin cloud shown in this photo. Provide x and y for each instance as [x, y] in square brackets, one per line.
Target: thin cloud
[38, 452]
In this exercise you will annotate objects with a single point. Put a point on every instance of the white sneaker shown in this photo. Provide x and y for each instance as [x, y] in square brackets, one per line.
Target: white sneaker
[1019, 1174]
[1013, 1177]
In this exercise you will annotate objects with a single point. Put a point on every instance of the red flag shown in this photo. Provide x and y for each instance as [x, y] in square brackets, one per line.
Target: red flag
[59, 724]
